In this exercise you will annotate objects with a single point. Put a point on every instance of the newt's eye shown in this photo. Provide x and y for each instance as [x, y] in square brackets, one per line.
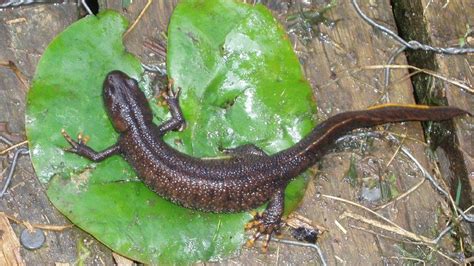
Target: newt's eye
[111, 79]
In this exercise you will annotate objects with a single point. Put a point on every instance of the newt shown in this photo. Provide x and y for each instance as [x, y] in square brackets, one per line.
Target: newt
[246, 178]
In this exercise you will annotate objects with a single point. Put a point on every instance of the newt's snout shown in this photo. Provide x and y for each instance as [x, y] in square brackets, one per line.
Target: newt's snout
[120, 93]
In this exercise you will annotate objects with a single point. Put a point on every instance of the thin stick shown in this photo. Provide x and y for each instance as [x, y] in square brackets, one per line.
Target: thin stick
[397, 230]
[409, 242]
[138, 18]
[365, 208]
[48, 227]
[385, 236]
[340, 227]
[426, 71]
[401, 196]
[444, 255]
[395, 153]
[13, 147]
[408, 258]
[17, 72]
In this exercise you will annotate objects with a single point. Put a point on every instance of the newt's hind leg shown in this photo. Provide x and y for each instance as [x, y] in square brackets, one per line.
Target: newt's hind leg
[269, 222]
[176, 122]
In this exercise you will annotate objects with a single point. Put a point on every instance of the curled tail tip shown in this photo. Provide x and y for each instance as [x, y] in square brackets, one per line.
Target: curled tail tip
[459, 111]
[449, 112]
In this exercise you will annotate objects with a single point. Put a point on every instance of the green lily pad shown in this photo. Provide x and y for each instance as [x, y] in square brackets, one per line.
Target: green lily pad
[241, 83]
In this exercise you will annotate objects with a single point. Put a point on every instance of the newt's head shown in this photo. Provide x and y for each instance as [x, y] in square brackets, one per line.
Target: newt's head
[124, 101]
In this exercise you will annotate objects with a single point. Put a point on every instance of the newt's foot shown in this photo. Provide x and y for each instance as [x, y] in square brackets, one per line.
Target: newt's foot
[171, 96]
[171, 92]
[263, 226]
[78, 146]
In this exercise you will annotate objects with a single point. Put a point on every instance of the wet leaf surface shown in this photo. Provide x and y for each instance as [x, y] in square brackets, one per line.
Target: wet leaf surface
[241, 84]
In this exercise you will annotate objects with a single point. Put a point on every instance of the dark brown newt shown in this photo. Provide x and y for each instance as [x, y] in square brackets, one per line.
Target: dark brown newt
[244, 180]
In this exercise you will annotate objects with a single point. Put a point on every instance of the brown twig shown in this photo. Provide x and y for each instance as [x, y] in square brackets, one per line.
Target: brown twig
[30, 226]
[455, 82]
[444, 255]
[364, 208]
[395, 153]
[339, 225]
[138, 18]
[394, 229]
[384, 236]
[401, 196]
[17, 72]
[408, 258]
[13, 147]
[404, 241]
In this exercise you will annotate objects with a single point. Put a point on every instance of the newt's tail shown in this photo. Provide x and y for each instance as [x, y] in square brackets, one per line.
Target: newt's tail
[324, 135]
[415, 112]
[389, 113]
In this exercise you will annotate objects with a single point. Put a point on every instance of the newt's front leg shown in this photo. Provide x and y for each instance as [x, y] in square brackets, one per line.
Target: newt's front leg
[270, 221]
[79, 147]
[176, 122]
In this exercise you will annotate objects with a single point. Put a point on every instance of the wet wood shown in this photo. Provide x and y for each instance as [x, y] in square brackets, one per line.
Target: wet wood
[442, 34]
[9, 244]
[331, 53]
[426, 21]
[330, 60]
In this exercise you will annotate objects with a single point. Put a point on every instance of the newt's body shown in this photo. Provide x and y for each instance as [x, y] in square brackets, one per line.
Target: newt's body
[245, 180]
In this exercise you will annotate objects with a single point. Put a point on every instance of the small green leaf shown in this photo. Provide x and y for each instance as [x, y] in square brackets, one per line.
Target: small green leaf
[351, 174]
[389, 187]
[458, 192]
